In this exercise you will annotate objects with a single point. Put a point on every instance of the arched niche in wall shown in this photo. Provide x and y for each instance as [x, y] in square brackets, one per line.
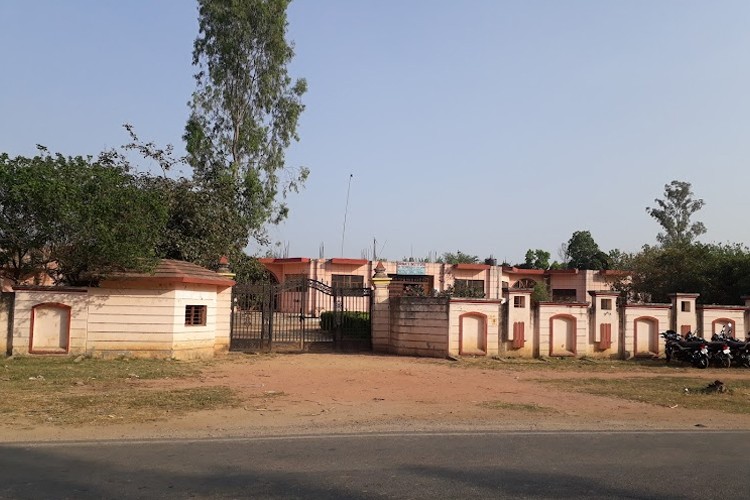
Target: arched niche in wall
[50, 329]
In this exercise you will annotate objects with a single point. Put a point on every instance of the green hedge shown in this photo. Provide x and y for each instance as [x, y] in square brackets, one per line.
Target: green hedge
[354, 322]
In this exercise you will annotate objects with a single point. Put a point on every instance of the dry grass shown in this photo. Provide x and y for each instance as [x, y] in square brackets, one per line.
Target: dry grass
[570, 364]
[61, 391]
[685, 392]
[524, 407]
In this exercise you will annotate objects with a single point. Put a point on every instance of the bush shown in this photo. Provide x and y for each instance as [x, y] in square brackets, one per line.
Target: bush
[353, 322]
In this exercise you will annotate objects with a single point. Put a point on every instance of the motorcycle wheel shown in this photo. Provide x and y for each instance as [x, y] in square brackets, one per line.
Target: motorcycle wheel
[725, 361]
[745, 361]
[701, 362]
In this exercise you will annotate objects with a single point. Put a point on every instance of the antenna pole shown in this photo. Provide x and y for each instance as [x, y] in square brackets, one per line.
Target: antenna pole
[346, 210]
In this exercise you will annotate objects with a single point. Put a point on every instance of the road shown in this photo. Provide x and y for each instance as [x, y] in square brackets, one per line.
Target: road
[638, 465]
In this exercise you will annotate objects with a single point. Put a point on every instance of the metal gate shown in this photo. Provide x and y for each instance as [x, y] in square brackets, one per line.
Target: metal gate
[299, 314]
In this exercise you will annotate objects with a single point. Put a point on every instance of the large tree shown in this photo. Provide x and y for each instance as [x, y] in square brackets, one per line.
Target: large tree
[79, 219]
[244, 113]
[720, 273]
[673, 214]
[583, 252]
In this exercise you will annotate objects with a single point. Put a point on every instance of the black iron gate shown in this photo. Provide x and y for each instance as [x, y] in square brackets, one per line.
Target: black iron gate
[299, 315]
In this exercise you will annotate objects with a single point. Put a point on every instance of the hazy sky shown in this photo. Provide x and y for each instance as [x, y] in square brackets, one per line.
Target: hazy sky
[488, 127]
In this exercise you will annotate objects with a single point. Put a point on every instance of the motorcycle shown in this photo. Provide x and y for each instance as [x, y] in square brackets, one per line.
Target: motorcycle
[691, 349]
[739, 350]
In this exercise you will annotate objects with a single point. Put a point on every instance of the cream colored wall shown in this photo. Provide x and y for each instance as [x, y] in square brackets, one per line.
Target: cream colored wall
[6, 303]
[680, 318]
[660, 312]
[132, 322]
[490, 312]
[25, 300]
[194, 341]
[223, 320]
[548, 311]
[601, 316]
[523, 315]
[718, 313]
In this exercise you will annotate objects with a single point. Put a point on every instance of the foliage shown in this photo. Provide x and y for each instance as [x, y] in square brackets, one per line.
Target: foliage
[244, 113]
[673, 213]
[458, 258]
[355, 321]
[27, 219]
[720, 273]
[536, 259]
[584, 253]
[90, 217]
[540, 293]
[247, 269]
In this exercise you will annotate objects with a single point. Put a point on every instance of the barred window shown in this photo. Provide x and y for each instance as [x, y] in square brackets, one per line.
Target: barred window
[195, 315]
[468, 288]
[347, 281]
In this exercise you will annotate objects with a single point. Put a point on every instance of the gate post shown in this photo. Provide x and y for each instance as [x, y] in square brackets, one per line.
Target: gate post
[380, 315]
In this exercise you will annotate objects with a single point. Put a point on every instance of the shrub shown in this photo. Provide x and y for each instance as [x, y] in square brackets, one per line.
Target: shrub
[354, 322]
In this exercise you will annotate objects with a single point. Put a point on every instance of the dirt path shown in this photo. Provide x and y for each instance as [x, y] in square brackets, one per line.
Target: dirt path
[323, 393]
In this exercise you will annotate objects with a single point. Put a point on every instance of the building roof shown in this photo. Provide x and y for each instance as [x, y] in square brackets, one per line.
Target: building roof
[175, 271]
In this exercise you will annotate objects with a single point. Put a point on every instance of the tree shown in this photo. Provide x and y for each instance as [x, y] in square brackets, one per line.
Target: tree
[244, 113]
[584, 253]
[27, 201]
[720, 273]
[81, 219]
[536, 259]
[673, 213]
[459, 258]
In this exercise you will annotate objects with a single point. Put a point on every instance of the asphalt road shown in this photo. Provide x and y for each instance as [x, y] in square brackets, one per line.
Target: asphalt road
[634, 465]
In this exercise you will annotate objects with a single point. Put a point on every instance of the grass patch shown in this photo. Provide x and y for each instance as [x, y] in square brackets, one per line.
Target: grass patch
[664, 391]
[503, 405]
[61, 391]
[568, 364]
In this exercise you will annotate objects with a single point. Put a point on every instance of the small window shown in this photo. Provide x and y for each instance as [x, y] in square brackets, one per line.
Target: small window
[685, 306]
[519, 302]
[606, 304]
[195, 315]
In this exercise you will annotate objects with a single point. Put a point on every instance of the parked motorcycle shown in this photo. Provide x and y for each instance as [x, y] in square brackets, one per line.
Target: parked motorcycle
[691, 349]
[739, 350]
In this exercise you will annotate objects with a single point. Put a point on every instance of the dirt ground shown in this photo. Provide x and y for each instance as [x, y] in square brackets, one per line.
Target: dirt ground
[337, 393]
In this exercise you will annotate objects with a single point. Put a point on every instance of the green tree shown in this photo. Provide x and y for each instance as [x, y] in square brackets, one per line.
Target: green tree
[244, 113]
[540, 293]
[90, 217]
[459, 258]
[673, 214]
[536, 259]
[27, 219]
[583, 252]
[719, 273]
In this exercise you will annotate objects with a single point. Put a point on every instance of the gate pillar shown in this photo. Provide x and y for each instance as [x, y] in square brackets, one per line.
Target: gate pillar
[380, 313]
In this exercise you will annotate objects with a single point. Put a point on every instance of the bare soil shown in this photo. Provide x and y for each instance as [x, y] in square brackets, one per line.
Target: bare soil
[341, 393]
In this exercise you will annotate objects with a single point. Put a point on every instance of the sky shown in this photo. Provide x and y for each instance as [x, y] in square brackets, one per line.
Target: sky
[485, 126]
